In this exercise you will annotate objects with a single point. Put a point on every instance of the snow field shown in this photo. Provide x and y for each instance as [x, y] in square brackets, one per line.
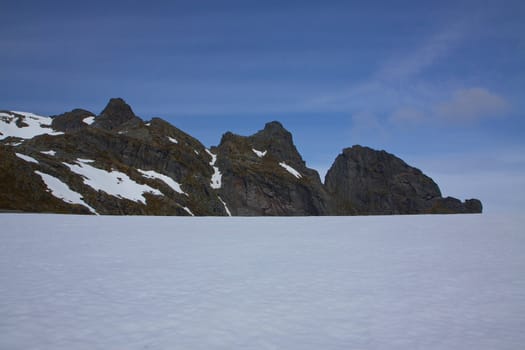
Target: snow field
[404, 282]
[113, 182]
[151, 174]
[36, 125]
[62, 191]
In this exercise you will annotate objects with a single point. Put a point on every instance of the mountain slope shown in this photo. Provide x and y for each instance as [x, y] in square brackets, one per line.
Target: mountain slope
[365, 181]
[264, 174]
[117, 164]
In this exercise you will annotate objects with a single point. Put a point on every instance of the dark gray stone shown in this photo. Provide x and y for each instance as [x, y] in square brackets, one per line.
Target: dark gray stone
[363, 181]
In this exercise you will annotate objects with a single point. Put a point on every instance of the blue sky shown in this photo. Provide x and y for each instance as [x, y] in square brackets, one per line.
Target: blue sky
[440, 84]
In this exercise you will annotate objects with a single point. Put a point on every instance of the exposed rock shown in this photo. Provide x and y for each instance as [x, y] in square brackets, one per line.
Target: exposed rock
[364, 181]
[116, 113]
[262, 174]
[255, 182]
[23, 190]
[450, 205]
[74, 120]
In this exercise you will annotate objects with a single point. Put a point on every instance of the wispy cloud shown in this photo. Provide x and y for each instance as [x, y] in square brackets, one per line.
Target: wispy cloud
[396, 80]
[407, 115]
[472, 104]
[415, 61]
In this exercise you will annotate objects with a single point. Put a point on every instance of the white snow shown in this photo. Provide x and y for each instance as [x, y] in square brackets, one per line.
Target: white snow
[62, 191]
[89, 120]
[112, 182]
[37, 125]
[196, 152]
[291, 170]
[216, 178]
[151, 174]
[49, 153]
[405, 282]
[259, 154]
[173, 140]
[26, 158]
[225, 206]
[188, 211]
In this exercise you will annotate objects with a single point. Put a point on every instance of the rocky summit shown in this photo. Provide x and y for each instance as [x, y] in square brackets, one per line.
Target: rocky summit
[115, 163]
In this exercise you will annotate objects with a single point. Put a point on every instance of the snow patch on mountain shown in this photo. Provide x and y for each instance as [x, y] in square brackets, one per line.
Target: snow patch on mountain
[89, 120]
[225, 206]
[25, 125]
[151, 174]
[290, 170]
[259, 154]
[188, 211]
[62, 191]
[26, 158]
[173, 140]
[216, 178]
[112, 182]
[49, 153]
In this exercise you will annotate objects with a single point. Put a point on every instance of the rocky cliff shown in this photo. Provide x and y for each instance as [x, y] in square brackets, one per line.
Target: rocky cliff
[115, 163]
[364, 181]
[264, 174]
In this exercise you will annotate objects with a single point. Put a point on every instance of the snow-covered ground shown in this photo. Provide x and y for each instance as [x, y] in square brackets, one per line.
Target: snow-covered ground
[399, 282]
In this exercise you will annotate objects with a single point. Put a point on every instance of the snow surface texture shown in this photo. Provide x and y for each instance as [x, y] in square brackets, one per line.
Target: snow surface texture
[112, 182]
[62, 191]
[216, 178]
[393, 282]
[290, 170]
[152, 174]
[36, 125]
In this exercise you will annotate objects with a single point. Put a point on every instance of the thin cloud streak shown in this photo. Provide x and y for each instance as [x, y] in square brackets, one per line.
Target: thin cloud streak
[472, 104]
[396, 75]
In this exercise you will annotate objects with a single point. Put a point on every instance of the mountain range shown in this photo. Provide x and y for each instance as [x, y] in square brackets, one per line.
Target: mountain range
[115, 163]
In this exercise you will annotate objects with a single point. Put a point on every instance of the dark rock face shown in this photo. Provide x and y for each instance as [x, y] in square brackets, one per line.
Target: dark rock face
[116, 113]
[364, 181]
[450, 205]
[261, 174]
[255, 179]
[71, 121]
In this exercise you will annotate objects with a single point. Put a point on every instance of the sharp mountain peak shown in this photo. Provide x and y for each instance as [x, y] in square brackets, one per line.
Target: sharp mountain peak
[115, 163]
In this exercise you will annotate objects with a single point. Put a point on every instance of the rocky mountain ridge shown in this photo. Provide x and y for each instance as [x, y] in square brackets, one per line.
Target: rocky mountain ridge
[117, 164]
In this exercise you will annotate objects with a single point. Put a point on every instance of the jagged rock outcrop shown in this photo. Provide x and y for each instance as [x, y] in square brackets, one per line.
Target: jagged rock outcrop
[363, 181]
[264, 174]
[117, 164]
[71, 121]
[117, 114]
